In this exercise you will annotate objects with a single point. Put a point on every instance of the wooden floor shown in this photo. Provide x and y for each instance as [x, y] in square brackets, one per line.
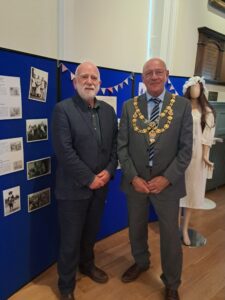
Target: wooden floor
[203, 268]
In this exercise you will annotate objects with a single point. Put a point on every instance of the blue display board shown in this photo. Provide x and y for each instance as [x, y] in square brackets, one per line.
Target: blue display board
[29, 242]
[29, 237]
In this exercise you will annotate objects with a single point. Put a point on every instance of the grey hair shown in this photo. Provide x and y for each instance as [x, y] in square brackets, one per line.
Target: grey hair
[86, 62]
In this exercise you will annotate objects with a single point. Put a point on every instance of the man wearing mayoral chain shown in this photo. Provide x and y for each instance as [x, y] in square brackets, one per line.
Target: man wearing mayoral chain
[154, 149]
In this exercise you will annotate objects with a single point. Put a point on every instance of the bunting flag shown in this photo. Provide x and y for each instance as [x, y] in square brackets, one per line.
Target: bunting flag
[103, 91]
[116, 87]
[170, 87]
[110, 89]
[64, 68]
[72, 76]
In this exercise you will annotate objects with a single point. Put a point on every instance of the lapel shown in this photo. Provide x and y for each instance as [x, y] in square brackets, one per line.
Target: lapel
[166, 102]
[142, 104]
[103, 122]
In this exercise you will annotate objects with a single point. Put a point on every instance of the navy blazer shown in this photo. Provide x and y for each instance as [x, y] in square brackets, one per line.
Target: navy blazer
[79, 155]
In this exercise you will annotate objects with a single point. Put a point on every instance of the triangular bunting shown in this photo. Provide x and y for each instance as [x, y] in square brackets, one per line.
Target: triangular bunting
[72, 76]
[64, 68]
[126, 81]
[103, 91]
[121, 85]
[116, 87]
[110, 89]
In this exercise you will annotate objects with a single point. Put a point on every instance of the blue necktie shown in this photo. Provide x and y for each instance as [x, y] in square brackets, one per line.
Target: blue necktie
[154, 116]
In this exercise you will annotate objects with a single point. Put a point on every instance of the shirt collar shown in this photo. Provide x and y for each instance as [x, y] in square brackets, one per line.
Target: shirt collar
[97, 104]
[161, 96]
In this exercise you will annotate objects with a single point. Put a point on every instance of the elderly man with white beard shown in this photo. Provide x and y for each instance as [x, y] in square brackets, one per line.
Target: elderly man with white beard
[84, 134]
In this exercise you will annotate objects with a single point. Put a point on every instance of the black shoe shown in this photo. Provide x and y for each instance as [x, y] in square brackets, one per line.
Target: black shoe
[171, 294]
[133, 273]
[69, 296]
[95, 274]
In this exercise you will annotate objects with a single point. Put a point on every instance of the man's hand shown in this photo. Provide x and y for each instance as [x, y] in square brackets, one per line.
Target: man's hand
[157, 184]
[104, 176]
[140, 185]
[96, 183]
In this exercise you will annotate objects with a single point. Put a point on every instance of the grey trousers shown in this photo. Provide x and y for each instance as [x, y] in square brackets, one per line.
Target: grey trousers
[170, 243]
[79, 222]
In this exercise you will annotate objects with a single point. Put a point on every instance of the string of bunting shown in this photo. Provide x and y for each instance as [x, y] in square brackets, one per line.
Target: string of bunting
[110, 89]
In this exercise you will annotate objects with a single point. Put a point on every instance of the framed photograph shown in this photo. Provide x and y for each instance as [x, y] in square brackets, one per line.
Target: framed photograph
[217, 4]
[39, 199]
[37, 130]
[212, 96]
[11, 200]
[38, 168]
[38, 85]
[111, 100]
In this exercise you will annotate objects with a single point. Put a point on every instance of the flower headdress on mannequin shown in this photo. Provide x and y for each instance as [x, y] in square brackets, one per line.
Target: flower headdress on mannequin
[192, 81]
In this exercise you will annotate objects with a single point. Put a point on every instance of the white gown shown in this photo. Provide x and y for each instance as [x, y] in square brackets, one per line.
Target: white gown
[197, 173]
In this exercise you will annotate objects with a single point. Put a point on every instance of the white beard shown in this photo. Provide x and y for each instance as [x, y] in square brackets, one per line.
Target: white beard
[87, 92]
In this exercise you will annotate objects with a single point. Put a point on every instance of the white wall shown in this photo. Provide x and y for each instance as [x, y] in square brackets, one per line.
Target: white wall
[29, 26]
[110, 33]
[192, 14]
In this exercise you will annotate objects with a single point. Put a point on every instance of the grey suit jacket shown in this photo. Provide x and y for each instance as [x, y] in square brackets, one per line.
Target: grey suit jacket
[173, 148]
[79, 155]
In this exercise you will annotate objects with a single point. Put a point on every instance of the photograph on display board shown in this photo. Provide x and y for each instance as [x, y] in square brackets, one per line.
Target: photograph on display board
[11, 200]
[111, 100]
[10, 98]
[39, 199]
[37, 130]
[38, 85]
[38, 168]
[11, 155]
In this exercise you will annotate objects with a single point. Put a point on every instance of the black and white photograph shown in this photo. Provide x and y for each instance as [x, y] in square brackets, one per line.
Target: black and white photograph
[17, 165]
[37, 130]
[39, 199]
[11, 200]
[14, 91]
[15, 112]
[16, 145]
[38, 168]
[38, 85]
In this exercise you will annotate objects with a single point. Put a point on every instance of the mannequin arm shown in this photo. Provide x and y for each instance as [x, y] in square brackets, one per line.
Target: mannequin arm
[205, 156]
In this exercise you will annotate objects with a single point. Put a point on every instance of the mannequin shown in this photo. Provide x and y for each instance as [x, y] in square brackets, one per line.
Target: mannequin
[200, 167]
